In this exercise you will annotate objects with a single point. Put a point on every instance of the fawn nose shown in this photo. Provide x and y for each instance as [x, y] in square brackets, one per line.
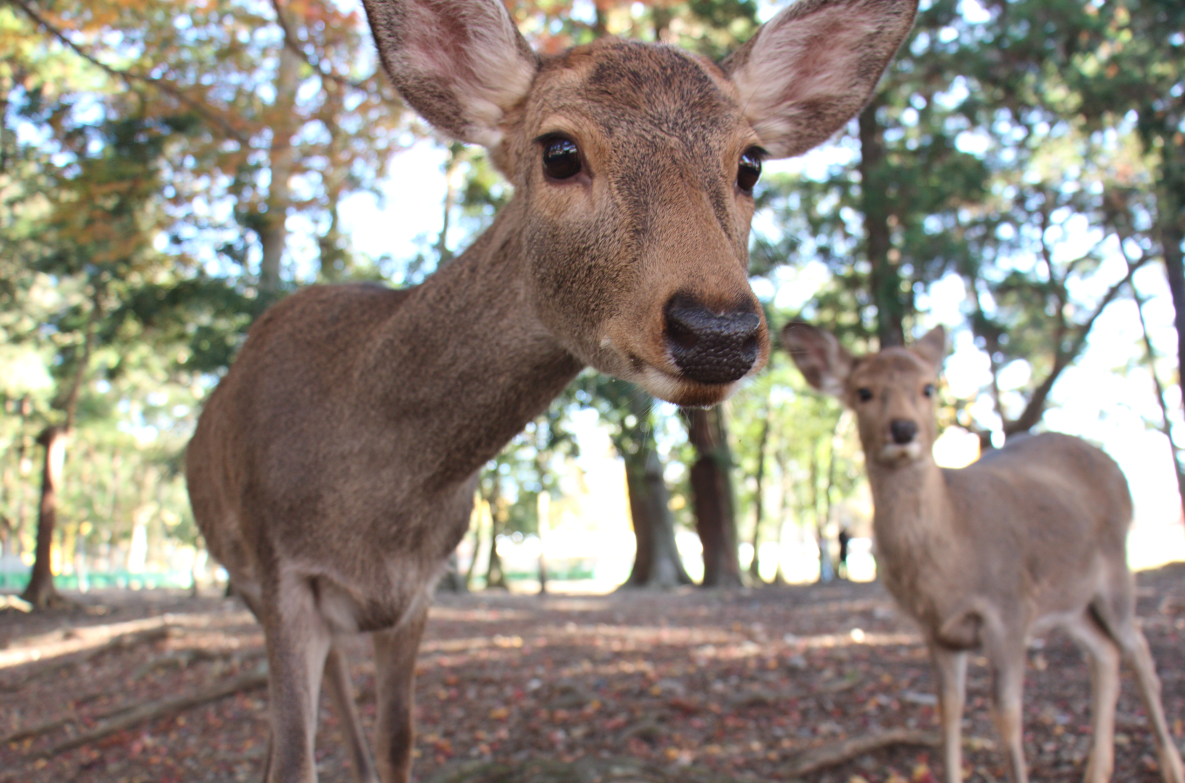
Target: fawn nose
[903, 430]
[711, 347]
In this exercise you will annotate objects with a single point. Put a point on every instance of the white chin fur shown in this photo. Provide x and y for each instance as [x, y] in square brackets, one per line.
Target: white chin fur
[668, 387]
[895, 452]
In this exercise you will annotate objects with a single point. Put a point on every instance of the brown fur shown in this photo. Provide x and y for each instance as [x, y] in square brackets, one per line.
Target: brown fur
[333, 469]
[1028, 537]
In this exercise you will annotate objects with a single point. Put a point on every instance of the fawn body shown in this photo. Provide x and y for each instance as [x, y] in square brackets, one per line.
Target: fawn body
[332, 471]
[1031, 536]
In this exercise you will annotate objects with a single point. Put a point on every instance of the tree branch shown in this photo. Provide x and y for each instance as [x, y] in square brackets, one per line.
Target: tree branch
[1062, 358]
[313, 60]
[128, 77]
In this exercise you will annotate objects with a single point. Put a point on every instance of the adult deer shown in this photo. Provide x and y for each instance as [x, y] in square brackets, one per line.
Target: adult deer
[1030, 537]
[333, 468]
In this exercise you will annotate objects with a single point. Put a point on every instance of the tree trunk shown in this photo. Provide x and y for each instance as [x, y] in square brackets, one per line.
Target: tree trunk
[41, 591]
[273, 232]
[656, 561]
[472, 572]
[1166, 425]
[712, 498]
[543, 524]
[1170, 208]
[758, 500]
[452, 176]
[495, 578]
[826, 567]
[885, 275]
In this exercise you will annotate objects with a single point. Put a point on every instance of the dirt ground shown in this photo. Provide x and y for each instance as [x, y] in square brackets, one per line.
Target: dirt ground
[751, 685]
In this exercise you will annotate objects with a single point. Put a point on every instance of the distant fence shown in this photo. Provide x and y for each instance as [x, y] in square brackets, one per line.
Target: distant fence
[101, 580]
[151, 580]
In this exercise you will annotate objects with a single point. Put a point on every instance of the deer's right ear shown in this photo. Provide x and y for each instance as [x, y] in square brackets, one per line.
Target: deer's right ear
[461, 64]
[811, 68]
[818, 355]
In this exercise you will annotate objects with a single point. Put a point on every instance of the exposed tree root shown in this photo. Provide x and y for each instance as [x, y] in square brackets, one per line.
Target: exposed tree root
[837, 753]
[147, 712]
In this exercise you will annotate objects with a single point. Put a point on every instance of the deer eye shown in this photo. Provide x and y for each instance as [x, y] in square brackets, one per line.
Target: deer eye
[749, 170]
[864, 394]
[928, 390]
[561, 158]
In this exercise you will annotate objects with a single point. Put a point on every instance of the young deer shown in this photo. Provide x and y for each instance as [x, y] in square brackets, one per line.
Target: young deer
[1030, 537]
[333, 469]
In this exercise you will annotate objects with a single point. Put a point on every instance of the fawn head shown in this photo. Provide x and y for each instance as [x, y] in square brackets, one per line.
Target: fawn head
[634, 164]
[892, 391]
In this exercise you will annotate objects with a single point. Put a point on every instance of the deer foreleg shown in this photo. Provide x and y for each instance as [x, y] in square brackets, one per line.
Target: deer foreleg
[395, 672]
[950, 669]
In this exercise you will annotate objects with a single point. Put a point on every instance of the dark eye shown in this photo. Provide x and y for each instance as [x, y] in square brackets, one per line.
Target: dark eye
[561, 158]
[749, 171]
[864, 394]
[928, 390]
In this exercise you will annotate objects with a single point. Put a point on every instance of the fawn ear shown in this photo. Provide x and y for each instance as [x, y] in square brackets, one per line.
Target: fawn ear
[932, 346]
[461, 64]
[812, 67]
[818, 355]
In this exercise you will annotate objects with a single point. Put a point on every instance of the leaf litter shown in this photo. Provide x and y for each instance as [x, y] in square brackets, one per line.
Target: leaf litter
[825, 683]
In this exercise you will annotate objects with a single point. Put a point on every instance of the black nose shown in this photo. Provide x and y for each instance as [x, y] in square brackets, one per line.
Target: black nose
[903, 430]
[711, 347]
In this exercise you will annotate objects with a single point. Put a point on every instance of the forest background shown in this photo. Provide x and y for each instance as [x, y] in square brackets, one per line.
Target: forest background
[168, 170]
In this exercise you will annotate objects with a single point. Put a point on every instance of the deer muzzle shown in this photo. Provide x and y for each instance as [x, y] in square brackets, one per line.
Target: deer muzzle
[710, 347]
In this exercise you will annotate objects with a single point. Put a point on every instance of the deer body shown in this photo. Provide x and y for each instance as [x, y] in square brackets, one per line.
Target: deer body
[333, 469]
[943, 534]
[1028, 538]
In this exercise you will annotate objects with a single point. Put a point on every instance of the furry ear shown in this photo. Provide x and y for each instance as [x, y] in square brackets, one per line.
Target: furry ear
[461, 64]
[812, 67]
[932, 346]
[818, 355]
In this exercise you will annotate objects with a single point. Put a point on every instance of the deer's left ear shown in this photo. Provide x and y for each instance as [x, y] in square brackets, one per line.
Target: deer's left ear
[812, 68]
[932, 347]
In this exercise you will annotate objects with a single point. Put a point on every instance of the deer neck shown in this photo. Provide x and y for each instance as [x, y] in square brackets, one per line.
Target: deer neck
[483, 364]
[911, 505]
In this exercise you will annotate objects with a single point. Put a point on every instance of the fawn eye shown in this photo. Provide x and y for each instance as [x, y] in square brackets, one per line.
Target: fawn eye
[864, 394]
[749, 170]
[561, 158]
[928, 390]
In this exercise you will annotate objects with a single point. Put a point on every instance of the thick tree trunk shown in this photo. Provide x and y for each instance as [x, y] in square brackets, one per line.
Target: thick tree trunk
[656, 561]
[41, 591]
[712, 498]
[885, 282]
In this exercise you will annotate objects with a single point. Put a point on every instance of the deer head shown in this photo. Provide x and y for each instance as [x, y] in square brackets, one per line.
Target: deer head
[634, 166]
[891, 392]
